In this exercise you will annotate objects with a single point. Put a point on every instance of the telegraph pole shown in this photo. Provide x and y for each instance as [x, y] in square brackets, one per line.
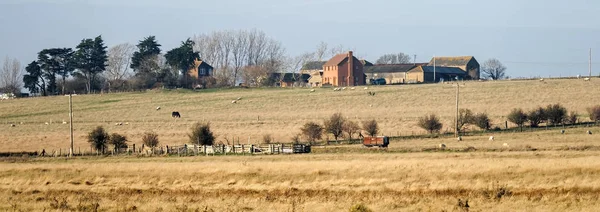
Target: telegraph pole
[456, 124]
[71, 123]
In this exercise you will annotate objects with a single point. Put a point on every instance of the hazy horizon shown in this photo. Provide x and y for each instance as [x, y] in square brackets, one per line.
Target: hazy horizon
[533, 38]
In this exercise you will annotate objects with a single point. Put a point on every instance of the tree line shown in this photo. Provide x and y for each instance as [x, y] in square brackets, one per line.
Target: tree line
[238, 56]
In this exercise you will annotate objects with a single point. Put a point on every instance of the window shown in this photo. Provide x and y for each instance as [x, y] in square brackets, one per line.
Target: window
[202, 71]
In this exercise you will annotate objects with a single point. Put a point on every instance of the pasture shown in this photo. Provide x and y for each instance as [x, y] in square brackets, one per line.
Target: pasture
[541, 170]
[279, 112]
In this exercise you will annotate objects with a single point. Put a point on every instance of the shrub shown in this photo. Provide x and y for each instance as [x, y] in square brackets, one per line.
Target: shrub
[465, 116]
[431, 123]
[267, 139]
[536, 116]
[594, 113]
[150, 139]
[518, 117]
[482, 121]
[201, 134]
[572, 118]
[359, 208]
[98, 138]
[118, 141]
[371, 127]
[556, 114]
[334, 125]
[350, 127]
[312, 131]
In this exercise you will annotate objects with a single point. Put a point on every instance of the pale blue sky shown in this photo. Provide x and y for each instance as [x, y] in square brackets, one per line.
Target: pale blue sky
[532, 38]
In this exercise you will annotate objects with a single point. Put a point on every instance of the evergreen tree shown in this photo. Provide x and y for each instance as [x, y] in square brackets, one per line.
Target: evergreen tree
[147, 48]
[56, 61]
[33, 80]
[182, 58]
[90, 59]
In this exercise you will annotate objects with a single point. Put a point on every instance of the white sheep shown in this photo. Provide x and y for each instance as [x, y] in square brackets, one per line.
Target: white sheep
[47, 123]
[344, 88]
[442, 146]
[312, 90]
[158, 108]
[366, 88]
[352, 88]
[586, 79]
[459, 138]
[239, 98]
[12, 125]
[119, 123]
[491, 138]
[505, 145]
[234, 101]
[126, 123]
[589, 132]
[542, 79]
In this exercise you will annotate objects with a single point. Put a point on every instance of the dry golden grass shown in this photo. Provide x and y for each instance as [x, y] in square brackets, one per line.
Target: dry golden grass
[279, 112]
[531, 181]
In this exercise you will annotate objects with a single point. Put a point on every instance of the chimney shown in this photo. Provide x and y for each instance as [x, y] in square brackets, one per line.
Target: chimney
[350, 76]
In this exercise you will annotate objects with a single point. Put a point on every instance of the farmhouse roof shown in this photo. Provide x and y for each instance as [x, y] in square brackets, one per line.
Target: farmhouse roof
[450, 61]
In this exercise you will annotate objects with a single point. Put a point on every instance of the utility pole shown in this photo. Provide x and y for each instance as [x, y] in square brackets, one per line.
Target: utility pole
[415, 59]
[71, 123]
[456, 124]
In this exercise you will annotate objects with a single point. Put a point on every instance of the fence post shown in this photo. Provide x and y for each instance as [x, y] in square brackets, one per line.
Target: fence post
[205, 152]
[224, 149]
[243, 153]
[251, 149]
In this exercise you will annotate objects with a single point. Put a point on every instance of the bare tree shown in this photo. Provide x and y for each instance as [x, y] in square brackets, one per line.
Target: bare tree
[119, 59]
[493, 69]
[11, 76]
[394, 59]
[339, 49]
[321, 51]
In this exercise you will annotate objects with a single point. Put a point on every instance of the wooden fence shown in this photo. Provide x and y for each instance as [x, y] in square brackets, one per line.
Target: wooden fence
[181, 150]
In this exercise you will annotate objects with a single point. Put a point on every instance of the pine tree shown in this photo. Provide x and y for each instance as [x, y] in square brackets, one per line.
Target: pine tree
[90, 59]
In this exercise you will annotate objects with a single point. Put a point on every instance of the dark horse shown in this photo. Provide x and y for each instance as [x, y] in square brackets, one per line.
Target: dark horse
[175, 114]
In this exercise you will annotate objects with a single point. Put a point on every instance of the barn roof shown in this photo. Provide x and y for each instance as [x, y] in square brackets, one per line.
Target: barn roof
[451, 61]
[391, 68]
[443, 70]
[313, 65]
[366, 63]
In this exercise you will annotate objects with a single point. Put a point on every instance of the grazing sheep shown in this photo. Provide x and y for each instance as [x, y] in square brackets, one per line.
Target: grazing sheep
[505, 145]
[586, 79]
[234, 101]
[344, 88]
[158, 108]
[239, 98]
[589, 132]
[542, 79]
[370, 105]
[12, 125]
[491, 138]
[459, 138]
[64, 122]
[119, 123]
[366, 88]
[126, 123]
[47, 123]
[562, 131]
[442, 146]
[352, 88]
[312, 90]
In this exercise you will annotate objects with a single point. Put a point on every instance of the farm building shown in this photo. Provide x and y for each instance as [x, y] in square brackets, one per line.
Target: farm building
[288, 79]
[201, 69]
[467, 64]
[420, 74]
[392, 73]
[343, 70]
[315, 70]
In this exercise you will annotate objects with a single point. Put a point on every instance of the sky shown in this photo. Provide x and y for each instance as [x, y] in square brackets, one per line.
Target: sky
[533, 38]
